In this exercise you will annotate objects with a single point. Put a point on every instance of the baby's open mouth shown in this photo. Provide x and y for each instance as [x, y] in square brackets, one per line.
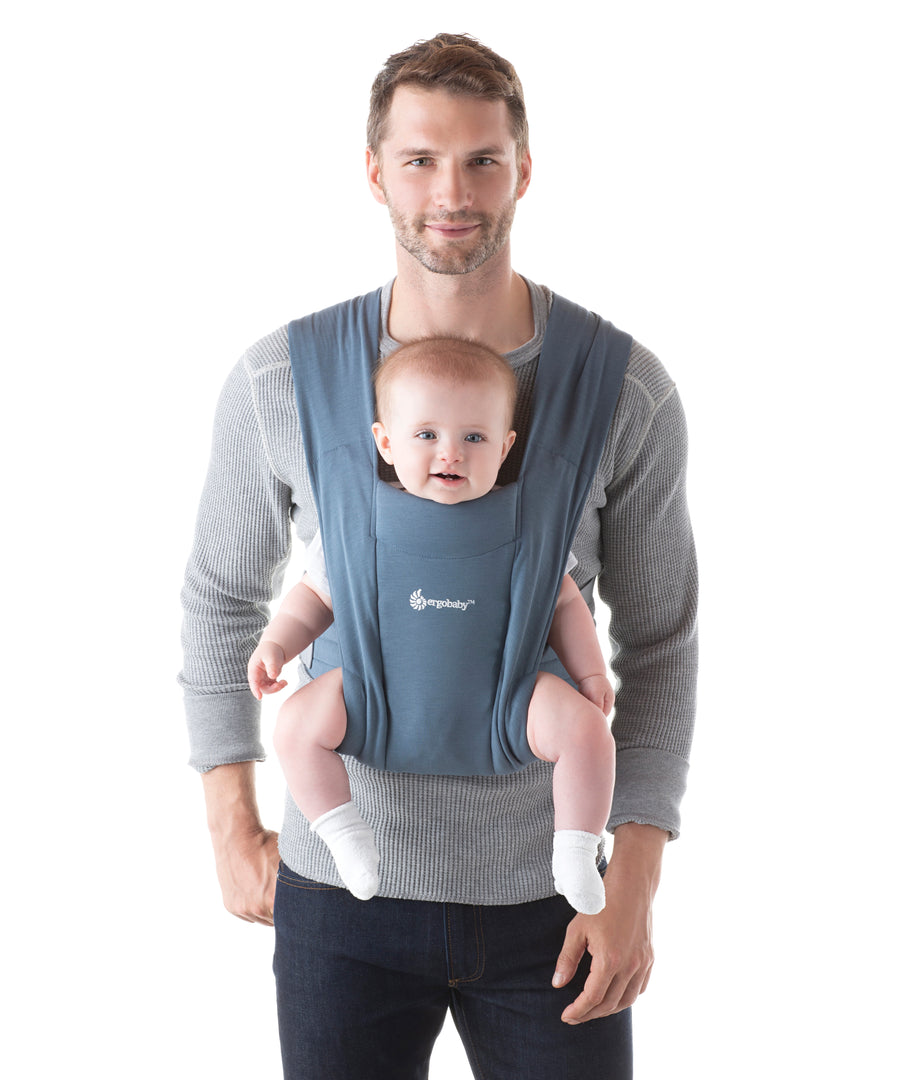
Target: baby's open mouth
[447, 476]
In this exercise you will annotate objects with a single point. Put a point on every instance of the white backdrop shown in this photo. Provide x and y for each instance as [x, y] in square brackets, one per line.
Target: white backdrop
[718, 180]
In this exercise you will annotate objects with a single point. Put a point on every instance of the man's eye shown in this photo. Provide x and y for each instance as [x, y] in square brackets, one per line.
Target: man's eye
[474, 437]
[420, 161]
[484, 161]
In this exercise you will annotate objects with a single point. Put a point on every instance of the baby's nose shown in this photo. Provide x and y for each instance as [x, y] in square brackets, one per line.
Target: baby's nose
[450, 451]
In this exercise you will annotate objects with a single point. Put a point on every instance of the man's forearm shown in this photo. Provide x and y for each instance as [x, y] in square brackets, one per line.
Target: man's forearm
[246, 853]
[231, 807]
[636, 860]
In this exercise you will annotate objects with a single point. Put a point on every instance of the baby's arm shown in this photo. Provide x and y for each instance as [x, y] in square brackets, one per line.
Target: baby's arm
[305, 613]
[573, 637]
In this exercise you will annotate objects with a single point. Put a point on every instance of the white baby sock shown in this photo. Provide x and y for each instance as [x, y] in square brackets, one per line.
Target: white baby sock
[352, 844]
[575, 872]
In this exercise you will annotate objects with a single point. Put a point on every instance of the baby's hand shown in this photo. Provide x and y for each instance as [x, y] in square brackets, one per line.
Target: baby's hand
[598, 688]
[264, 668]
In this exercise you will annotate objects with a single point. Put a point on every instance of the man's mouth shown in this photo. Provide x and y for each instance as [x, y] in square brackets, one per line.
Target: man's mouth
[454, 231]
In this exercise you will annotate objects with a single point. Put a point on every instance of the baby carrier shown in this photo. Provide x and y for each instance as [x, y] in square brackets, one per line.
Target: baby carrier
[441, 613]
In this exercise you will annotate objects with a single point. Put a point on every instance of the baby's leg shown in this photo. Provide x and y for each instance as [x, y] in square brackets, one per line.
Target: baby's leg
[567, 729]
[311, 725]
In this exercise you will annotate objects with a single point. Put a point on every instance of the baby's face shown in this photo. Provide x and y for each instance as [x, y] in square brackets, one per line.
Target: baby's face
[445, 441]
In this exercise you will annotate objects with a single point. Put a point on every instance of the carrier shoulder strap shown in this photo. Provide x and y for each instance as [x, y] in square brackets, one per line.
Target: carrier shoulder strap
[580, 374]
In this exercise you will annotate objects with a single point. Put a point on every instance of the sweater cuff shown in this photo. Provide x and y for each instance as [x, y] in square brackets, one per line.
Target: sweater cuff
[223, 729]
[649, 787]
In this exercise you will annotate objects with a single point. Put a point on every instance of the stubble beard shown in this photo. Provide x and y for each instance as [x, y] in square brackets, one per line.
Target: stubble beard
[493, 235]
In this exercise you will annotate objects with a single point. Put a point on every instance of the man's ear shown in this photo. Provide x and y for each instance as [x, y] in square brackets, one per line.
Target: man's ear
[373, 175]
[524, 176]
[382, 441]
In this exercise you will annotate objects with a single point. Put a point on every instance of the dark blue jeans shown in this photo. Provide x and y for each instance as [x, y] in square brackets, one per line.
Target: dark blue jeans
[363, 989]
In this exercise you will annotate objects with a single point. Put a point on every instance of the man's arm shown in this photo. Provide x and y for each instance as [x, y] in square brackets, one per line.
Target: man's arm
[241, 546]
[649, 582]
[246, 853]
[619, 939]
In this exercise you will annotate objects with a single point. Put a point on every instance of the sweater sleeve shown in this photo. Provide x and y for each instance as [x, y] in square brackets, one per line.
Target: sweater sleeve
[649, 582]
[241, 547]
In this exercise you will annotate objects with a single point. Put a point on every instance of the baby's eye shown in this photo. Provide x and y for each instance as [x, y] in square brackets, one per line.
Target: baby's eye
[425, 435]
[474, 437]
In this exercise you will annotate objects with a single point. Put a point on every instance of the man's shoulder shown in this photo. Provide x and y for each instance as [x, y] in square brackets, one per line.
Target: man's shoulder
[274, 350]
[644, 372]
[645, 375]
[271, 351]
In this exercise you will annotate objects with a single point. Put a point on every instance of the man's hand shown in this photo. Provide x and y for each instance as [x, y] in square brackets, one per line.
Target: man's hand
[247, 868]
[619, 938]
[622, 956]
[246, 853]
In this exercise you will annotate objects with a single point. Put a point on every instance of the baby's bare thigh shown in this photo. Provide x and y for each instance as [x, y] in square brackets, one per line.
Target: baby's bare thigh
[317, 710]
[558, 716]
[553, 708]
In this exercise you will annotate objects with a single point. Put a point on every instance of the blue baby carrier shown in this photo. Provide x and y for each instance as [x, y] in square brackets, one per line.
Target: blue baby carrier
[441, 613]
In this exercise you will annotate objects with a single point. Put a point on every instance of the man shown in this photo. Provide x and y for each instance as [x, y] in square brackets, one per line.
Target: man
[467, 918]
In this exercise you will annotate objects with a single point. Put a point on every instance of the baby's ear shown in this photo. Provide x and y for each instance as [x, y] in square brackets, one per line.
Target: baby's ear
[507, 443]
[382, 441]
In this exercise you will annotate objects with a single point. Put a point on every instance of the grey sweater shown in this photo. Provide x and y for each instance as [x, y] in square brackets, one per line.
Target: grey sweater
[478, 840]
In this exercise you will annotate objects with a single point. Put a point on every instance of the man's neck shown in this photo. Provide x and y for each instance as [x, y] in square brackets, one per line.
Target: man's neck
[491, 304]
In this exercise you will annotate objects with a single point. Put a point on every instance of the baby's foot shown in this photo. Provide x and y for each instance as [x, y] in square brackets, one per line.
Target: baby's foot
[575, 872]
[352, 845]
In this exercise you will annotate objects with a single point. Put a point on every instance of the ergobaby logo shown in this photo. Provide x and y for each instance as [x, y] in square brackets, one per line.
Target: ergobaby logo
[418, 602]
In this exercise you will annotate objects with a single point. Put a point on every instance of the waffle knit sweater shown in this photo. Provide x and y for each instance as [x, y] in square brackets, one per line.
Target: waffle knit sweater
[474, 840]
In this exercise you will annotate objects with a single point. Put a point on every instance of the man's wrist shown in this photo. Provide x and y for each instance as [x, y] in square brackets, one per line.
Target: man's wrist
[637, 856]
[231, 808]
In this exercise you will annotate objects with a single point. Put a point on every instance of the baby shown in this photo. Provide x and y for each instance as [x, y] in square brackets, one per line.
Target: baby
[445, 411]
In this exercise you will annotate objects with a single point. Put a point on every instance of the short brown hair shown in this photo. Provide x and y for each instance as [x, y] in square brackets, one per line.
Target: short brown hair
[456, 64]
[449, 359]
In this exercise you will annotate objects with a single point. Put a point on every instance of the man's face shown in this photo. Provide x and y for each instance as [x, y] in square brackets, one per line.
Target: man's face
[448, 174]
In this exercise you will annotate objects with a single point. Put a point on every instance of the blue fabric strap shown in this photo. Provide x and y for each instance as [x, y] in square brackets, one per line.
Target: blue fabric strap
[442, 612]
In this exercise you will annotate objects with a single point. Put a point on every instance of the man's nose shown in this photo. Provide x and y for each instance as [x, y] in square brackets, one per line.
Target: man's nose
[452, 191]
